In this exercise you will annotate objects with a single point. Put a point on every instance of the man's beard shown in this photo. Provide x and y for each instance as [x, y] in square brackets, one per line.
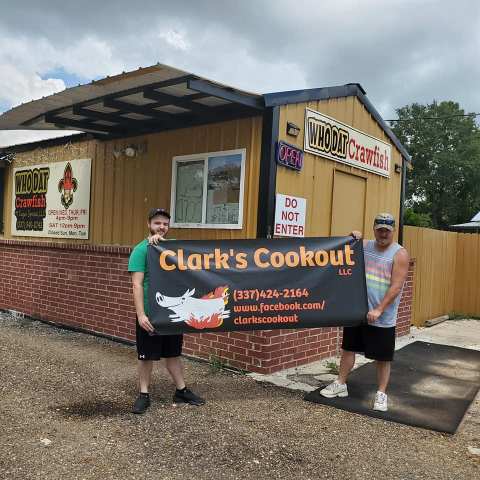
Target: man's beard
[160, 232]
[384, 241]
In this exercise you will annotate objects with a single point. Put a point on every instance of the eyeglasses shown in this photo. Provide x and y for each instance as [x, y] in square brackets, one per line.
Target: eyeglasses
[384, 221]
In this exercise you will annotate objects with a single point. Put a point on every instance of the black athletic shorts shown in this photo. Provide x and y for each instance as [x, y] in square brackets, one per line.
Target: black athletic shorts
[376, 343]
[156, 347]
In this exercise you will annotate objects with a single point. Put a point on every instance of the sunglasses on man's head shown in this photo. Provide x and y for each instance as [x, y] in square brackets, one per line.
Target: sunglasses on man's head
[159, 211]
[386, 221]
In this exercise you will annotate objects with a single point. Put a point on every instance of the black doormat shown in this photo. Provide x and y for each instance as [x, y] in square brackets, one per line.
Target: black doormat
[431, 386]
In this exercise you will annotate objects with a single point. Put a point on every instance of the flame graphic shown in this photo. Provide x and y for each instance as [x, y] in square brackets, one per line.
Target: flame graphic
[219, 292]
[213, 321]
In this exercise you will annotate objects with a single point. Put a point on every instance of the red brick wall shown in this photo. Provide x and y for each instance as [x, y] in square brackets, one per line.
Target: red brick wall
[75, 285]
[404, 319]
[88, 287]
[265, 351]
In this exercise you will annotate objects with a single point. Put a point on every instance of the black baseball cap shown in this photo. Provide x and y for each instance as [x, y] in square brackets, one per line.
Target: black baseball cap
[158, 211]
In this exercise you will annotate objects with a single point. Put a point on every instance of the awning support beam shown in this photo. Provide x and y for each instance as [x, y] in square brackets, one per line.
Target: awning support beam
[229, 95]
[182, 102]
[143, 110]
[79, 125]
[107, 117]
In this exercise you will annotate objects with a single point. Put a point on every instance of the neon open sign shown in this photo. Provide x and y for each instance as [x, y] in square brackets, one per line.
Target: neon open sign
[289, 156]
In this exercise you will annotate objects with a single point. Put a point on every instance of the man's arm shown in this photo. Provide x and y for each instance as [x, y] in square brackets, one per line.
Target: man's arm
[137, 285]
[399, 275]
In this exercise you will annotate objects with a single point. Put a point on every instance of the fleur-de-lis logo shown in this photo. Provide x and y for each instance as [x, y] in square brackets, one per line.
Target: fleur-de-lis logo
[67, 185]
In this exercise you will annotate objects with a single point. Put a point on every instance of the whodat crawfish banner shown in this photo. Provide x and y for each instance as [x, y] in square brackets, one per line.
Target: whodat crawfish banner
[202, 286]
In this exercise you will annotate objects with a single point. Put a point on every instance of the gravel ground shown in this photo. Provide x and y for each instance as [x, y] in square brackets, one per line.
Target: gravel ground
[65, 413]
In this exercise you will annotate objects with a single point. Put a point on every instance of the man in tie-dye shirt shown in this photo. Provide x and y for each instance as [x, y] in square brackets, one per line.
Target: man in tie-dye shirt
[386, 268]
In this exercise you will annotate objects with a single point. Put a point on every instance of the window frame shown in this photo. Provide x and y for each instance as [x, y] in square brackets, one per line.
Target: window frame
[205, 156]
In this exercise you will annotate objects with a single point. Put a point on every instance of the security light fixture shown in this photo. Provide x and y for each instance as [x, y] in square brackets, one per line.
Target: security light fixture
[6, 158]
[130, 151]
[292, 129]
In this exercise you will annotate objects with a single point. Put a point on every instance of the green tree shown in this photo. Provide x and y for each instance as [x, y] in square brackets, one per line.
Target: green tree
[444, 183]
[410, 217]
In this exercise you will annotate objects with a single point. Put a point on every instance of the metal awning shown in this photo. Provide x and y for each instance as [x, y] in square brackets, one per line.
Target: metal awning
[466, 226]
[159, 98]
[473, 224]
[145, 100]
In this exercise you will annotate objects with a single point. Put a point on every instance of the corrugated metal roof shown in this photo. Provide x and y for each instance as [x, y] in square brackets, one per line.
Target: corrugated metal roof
[138, 100]
[473, 224]
[467, 226]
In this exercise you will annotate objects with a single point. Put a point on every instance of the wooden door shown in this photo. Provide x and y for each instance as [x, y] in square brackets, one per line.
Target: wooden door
[348, 203]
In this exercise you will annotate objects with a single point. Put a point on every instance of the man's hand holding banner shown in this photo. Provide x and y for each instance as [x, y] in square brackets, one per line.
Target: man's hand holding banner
[206, 286]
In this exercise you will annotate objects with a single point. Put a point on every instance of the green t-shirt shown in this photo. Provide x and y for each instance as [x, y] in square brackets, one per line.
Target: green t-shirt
[138, 263]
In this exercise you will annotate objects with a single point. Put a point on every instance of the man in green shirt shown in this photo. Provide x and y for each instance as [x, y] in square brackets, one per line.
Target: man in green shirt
[152, 347]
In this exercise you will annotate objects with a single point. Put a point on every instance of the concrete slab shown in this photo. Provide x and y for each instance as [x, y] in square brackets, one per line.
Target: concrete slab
[460, 333]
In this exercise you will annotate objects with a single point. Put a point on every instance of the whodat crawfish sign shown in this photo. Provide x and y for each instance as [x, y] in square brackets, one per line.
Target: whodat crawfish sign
[201, 286]
[327, 137]
[52, 200]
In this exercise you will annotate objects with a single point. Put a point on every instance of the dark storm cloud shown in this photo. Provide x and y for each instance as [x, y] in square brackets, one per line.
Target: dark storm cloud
[400, 51]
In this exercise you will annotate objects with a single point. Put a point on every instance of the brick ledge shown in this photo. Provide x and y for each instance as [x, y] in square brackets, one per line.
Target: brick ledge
[68, 246]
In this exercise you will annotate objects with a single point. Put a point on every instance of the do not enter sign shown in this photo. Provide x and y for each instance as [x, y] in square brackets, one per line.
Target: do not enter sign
[290, 216]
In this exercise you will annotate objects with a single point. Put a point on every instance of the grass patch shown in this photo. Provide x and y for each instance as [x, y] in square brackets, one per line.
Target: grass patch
[216, 364]
[332, 368]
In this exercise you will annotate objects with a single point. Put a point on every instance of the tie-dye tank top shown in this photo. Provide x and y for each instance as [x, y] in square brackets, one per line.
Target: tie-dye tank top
[378, 270]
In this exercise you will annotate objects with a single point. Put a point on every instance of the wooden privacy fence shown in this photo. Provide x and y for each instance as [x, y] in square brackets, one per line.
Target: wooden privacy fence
[447, 273]
[467, 279]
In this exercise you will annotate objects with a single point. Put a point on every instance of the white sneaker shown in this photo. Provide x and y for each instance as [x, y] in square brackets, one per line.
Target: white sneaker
[335, 389]
[380, 402]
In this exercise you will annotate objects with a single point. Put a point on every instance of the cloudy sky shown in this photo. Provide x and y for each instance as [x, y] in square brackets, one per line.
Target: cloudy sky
[401, 51]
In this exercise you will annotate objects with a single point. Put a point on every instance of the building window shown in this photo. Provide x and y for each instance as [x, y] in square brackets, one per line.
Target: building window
[207, 190]
[2, 196]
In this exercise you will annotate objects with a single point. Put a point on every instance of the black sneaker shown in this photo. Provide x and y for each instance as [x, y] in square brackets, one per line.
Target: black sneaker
[187, 396]
[141, 403]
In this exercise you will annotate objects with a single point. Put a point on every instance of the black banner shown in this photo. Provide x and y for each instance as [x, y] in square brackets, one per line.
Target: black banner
[207, 286]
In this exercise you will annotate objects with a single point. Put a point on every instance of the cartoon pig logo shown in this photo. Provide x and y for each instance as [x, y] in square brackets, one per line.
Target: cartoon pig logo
[206, 312]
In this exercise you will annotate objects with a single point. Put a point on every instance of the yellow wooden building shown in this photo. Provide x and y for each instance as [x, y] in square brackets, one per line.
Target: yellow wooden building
[218, 158]
[339, 196]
